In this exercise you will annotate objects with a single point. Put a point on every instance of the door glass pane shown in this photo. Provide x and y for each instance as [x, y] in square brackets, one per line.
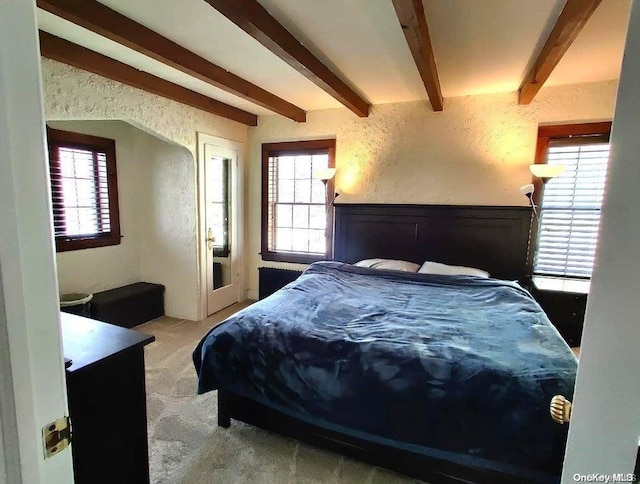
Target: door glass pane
[218, 219]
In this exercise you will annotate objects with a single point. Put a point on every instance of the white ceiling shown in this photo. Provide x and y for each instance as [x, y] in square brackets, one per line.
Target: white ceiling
[481, 46]
[596, 55]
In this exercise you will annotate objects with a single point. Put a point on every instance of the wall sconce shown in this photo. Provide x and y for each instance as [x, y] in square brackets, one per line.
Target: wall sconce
[527, 191]
[546, 172]
[324, 175]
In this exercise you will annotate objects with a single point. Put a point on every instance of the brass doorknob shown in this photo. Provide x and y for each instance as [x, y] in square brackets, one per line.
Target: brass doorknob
[210, 238]
[560, 409]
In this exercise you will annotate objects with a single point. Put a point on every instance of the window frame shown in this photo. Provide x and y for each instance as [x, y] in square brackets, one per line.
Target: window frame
[57, 138]
[295, 148]
[545, 135]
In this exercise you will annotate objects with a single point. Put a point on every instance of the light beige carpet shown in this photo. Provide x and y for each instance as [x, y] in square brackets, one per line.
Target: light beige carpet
[187, 447]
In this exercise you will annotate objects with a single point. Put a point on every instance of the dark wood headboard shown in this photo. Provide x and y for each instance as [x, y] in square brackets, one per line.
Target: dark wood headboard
[495, 239]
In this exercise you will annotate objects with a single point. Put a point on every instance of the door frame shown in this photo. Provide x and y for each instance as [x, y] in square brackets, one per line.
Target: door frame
[32, 365]
[236, 213]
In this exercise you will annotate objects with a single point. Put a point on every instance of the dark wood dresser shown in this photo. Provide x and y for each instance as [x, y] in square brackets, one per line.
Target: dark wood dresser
[107, 400]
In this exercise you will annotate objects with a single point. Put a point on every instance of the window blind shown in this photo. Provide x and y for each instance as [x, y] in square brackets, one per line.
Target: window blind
[570, 207]
[80, 193]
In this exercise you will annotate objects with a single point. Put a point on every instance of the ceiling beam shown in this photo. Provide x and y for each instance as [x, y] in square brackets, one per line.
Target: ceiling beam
[64, 51]
[254, 19]
[414, 25]
[110, 24]
[572, 19]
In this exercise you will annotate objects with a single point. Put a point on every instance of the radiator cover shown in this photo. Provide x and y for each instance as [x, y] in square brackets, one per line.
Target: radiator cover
[271, 279]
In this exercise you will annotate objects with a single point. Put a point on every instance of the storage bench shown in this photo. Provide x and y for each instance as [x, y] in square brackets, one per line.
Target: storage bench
[130, 305]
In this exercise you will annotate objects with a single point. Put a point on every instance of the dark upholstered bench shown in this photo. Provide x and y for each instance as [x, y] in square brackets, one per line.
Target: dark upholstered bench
[129, 306]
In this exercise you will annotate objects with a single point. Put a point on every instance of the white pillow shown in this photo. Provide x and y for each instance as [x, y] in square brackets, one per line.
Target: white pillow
[436, 268]
[389, 264]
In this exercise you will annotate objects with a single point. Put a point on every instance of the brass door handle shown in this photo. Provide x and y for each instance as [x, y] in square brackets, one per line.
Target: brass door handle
[210, 239]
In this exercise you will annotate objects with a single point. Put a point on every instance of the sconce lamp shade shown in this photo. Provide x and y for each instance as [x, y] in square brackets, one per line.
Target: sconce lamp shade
[546, 172]
[324, 174]
[527, 190]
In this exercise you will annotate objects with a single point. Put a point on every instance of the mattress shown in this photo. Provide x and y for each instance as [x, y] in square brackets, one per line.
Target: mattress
[454, 367]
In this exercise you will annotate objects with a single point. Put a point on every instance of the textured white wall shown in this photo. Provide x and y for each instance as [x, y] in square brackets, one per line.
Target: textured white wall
[476, 151]
[73, 94]
[167, 221]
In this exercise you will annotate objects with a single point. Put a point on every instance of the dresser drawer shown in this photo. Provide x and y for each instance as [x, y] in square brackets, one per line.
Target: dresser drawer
[565, 310]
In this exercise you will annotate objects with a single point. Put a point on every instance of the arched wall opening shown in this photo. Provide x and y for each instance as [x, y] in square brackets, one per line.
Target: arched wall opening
[158, 218]
[73, 94]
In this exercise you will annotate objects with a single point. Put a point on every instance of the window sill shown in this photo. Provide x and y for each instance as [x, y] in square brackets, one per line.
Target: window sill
[562, 284]
[296, 258]
[65, 245]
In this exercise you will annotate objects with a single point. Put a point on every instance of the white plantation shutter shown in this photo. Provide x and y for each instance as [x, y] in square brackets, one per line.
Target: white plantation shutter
[570, 207]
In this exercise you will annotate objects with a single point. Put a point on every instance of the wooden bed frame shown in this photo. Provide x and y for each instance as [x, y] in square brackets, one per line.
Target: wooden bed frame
[495, 239]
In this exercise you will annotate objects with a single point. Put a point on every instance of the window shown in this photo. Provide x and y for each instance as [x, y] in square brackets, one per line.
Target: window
[84, 190]
[570, 203]
[296, 222]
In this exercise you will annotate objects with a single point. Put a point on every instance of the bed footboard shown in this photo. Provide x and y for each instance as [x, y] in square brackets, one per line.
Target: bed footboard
[415, 465]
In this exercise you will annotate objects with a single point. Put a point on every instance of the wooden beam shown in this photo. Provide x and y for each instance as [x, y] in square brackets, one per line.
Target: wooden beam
[110, 24]
[414, 25]
[254, 19]
[572, 19]
[64, 51]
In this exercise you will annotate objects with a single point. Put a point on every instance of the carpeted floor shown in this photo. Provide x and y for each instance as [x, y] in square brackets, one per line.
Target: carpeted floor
[187, 447]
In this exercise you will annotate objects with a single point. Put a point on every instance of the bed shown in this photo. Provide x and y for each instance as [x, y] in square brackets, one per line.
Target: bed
[446, 378]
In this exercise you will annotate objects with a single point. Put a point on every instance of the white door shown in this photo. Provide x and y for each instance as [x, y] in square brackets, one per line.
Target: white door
[32, 381]
[221, 234]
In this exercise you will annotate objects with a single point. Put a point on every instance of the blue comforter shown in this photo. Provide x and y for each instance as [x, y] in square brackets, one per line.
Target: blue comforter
[454, 367]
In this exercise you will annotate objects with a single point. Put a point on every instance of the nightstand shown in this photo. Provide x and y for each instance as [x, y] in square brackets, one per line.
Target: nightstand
[564, 301]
